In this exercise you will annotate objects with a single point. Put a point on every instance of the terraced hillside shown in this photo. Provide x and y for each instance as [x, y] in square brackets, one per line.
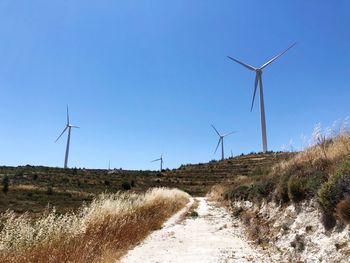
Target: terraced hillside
[33, 188]
[197, 179]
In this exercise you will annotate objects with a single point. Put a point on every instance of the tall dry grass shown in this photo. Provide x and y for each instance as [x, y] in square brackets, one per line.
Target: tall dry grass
[100, 232]
[326, 148]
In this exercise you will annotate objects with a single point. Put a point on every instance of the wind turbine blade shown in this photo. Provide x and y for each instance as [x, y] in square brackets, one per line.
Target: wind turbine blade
[255, 87]
[73, 126]
[217, 146]
[67, 115]
[215, 130]
[227, 134]
[62, 133]
[155, 160]
[243, 64]
[276, 57]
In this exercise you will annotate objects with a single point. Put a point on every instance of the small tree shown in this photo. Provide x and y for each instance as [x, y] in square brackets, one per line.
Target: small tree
[5, 184]
[126, 186]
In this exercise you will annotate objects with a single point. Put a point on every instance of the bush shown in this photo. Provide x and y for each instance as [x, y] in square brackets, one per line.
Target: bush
[306, 185]
[296, 188]
[126, 186]
[194, 214]
[239, 192]
[343, 210]
[254, 192]
[5, 184]
[107, 183]
[315, 181]
[328, 220]
[260, 190]
[335, 190]
[282, 188]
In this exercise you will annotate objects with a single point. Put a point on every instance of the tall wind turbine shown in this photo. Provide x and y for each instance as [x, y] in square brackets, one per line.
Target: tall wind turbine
[161, 162]
[221, 140]
[258, 80]
[68, 127]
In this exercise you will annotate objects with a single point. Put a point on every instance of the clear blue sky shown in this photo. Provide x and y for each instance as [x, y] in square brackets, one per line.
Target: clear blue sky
[146, 77]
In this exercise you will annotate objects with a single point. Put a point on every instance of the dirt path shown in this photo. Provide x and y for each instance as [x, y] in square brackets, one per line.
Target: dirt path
[211, 237]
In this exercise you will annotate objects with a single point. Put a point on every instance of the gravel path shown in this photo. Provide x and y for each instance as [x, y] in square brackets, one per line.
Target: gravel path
[212, 237]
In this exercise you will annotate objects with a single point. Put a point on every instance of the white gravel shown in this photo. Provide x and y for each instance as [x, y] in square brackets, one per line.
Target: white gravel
[212, 237]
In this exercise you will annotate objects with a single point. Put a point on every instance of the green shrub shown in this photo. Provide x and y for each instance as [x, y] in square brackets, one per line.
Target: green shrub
[282, 188]
[239, 192]
[254, 192]
[126, 186]
[194, 214]
[5, 184]
[107, 182]
[333, 191]
[260, 190]
[328, 220]
[315, 181]
[296, 188]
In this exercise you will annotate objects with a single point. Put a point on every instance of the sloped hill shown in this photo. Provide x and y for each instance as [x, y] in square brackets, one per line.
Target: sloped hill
[32, 188]
[197, 179]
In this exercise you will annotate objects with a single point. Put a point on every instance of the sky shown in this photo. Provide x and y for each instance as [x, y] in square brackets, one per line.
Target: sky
[147, 77]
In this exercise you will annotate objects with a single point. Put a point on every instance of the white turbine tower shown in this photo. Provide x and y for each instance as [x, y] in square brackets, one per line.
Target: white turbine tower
[258, 80]
[68, 127]
[161, 162]
[221, 140]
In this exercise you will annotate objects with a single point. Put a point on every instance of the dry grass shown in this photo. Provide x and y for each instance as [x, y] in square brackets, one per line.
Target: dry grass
[325, 154]
[217, 192]
[99, 232]
[343, 210]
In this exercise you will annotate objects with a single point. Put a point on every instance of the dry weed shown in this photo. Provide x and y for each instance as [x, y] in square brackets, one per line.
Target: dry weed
[99, 232]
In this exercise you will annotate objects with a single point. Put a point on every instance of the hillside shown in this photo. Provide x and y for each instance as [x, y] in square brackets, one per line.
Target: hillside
[300, 211]
[33, 188]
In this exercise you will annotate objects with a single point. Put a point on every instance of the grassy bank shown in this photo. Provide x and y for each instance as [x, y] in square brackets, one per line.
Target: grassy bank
[100, 232]
[320, 172]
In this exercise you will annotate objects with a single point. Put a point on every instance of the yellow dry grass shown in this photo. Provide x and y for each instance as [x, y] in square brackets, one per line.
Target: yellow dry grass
[100, 232]
[328, 153]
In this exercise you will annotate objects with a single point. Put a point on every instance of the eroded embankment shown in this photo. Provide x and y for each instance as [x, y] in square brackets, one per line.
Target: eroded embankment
[293, 233]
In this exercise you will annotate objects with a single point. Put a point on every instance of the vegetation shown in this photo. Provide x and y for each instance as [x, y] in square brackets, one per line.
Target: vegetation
[343, 210]
[5, 184]
[33, 188]
[99, 232]
[322, 172]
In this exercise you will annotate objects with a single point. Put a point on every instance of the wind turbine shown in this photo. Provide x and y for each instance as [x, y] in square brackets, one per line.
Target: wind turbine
[258, 80]
[161, 162]
[221, 140]
[68, 127]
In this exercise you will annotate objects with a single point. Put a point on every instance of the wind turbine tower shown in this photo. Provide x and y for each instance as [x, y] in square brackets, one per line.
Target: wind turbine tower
[258, 81]
[221, 140]
[161, 162]
[69, 128]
